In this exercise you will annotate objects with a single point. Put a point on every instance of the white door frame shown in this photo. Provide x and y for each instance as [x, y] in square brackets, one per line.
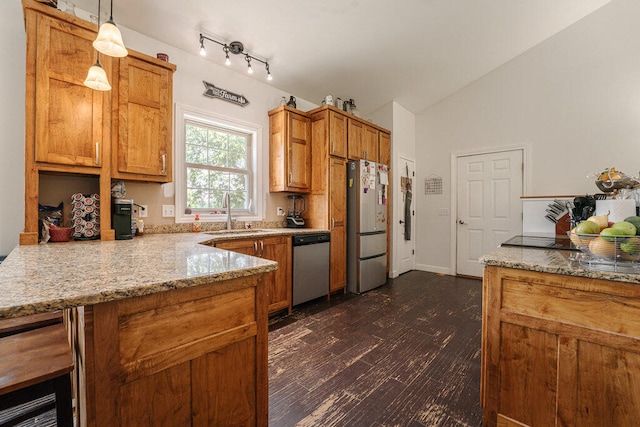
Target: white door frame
[453, 255]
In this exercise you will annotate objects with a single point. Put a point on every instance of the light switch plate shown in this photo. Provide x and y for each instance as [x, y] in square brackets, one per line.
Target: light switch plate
[168, 211]
[443, 212]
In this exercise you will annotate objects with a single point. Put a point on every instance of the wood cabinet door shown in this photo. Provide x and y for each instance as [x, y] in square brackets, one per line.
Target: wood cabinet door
[275, 249]
[144, 120]
[244, 246]
[299, 149]
[384, 149]
[68, 115]
[338, 218]
[278, 249]
[370, 143]
[337, 134]
[354, 141]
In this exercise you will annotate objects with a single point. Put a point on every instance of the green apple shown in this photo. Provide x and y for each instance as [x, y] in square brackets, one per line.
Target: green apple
[631, 246]
[635, 220]
[610, 234]
[587, 227]
[627, 228]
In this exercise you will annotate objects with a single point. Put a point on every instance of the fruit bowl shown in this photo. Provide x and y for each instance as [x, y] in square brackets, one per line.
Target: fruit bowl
[610, 185]
[613, 253]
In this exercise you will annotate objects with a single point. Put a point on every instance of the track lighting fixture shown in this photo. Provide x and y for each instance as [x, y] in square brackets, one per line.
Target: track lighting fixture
[109, 40]
[235, 48]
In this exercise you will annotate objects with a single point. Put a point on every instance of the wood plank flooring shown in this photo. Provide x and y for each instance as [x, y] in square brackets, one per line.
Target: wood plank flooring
[405, 354]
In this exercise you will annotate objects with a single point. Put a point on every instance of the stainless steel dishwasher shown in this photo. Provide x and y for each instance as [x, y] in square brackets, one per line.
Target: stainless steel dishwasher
[310, 266]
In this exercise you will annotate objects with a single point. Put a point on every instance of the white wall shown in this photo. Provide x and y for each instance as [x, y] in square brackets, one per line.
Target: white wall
[573, 99]
[192, 69]
[401, 122]
[12, 87]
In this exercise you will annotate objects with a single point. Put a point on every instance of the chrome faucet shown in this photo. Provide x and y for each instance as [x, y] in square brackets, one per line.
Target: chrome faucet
[226, 203]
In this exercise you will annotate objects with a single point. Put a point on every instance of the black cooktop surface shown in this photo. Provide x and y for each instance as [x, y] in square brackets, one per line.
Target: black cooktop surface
[542, 242]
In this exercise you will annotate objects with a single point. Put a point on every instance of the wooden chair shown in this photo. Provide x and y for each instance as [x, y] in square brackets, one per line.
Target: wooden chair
[36, 362]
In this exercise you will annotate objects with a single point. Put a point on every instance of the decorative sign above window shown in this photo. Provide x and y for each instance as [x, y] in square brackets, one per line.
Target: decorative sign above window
[216, 92]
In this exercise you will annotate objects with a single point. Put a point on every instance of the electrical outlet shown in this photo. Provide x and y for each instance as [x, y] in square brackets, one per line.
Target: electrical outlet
[280, 211]
[143, 211]
[168, 211]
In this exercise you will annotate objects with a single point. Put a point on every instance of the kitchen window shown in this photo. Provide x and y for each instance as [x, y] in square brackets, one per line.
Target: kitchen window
[215, 155]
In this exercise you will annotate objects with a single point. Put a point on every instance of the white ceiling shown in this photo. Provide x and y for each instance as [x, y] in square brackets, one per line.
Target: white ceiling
[414, 52]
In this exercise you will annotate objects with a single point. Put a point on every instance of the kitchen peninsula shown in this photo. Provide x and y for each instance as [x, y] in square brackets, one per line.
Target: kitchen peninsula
[166, 330]
[560, 343]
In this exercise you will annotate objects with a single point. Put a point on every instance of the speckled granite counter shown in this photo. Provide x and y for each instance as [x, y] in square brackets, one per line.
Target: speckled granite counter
[47, 277]
[550, 261]
[217, 236]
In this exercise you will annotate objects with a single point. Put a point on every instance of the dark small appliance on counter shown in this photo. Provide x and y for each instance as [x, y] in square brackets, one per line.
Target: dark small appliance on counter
[294, 215]
[121, 211]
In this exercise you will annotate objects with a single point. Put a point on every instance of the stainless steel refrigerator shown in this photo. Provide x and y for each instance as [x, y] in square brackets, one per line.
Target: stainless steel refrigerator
[367, 184]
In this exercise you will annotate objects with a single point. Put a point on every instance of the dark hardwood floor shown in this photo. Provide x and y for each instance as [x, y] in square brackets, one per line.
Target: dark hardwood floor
[405, 354]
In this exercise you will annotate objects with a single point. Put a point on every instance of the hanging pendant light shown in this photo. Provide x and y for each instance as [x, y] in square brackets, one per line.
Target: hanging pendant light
[109, 40]
[97, 77]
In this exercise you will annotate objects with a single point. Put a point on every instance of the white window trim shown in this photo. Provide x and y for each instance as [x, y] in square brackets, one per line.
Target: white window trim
[183, 112]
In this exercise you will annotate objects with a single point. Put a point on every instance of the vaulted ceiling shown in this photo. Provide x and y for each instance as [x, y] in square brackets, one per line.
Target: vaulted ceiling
[414, 52]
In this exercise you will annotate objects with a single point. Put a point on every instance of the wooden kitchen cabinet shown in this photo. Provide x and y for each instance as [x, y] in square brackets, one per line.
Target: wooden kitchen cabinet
[370, 143]
[289, 150]
[384, 149]
[142, 100]
[354, 141]
[71, 129]
[362, 141]
[338, 223]
[69, 124]
[275, 249]
[559, 350]
[337, 134]
[191, 356]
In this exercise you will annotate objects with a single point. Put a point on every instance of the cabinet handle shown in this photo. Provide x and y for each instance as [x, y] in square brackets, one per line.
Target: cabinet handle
[97, 153]
[333, 224]
[290, 177]
[261, 248]
[255, 248]
[164, 164]
[333, 146]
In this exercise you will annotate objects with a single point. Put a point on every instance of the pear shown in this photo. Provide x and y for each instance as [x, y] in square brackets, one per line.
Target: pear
[601, 220]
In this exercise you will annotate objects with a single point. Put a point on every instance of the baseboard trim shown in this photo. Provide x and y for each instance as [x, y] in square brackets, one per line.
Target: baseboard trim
[433, 269]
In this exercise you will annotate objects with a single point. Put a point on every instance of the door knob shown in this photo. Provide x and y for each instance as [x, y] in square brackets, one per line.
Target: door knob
[460, 221]
[401, 222]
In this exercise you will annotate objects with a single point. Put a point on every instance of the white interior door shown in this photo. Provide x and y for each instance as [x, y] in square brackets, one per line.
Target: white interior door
[489, 210]
[405, 187]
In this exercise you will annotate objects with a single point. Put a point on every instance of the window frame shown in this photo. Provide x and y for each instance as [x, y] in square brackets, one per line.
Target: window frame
[185, 115]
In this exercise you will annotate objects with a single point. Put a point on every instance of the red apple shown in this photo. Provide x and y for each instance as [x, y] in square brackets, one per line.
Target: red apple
[610, 224]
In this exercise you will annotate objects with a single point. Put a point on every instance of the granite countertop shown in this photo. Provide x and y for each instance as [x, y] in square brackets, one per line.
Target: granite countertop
[47, 277]
[552, 261]
[217, 236]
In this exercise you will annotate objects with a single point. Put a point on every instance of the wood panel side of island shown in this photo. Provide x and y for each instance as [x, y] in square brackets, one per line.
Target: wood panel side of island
[559, 349]
[190, 356]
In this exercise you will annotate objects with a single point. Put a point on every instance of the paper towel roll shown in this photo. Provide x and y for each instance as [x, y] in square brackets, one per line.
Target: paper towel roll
[619, 209]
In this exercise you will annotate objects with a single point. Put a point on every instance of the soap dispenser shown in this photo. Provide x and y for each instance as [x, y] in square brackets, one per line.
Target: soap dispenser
[197, 226]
